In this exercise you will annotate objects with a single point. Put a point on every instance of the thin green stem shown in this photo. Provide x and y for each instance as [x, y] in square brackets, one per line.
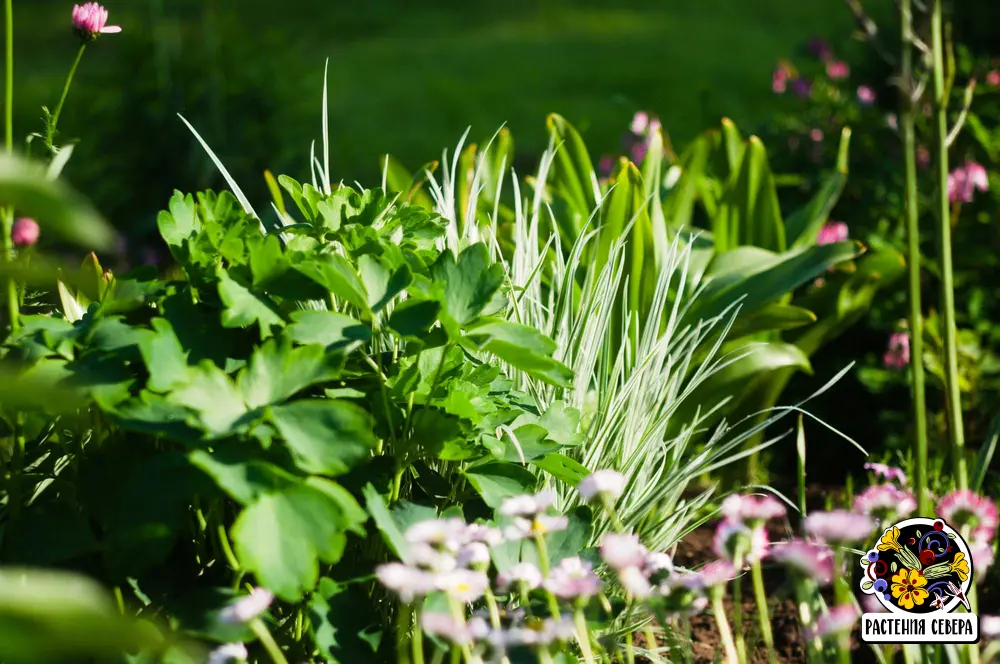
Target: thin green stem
[725, 632]
[543, 564]
[7, 248]
[956, 430]
[50, 130]
[583, 636]
[417, 642]
[762, 613]
[842, 594]
[227, 550]
[741, 646]
[403, 619]
[916, 327]
[263, 635]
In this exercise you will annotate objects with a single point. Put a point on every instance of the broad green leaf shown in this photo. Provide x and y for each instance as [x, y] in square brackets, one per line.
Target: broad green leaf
[281, 537]
[327, 328]
[325, 436]
[343, 620]
[335, 273]
[244, 307]
[414, 318]
[770, 318]
[381, 283]
[750, 213]
[26, 187]
[56, 616]
[210, 393]
[562, 468]
[465, 287]
[496, 481]
[164, 356]
[762, 276]
[572, 175]
[539, 366]
[277, 371]
[243, 477]
[391, 532]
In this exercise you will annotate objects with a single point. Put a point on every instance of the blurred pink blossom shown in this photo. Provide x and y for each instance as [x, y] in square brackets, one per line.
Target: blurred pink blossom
[838, 620]
[807, 558]
[24, 232]
[964, 180]
[779, 79]
[965, 508]
[90, 20]
[897, 356]
[887, 472]
[993, 78]
[838, 526]
[832, 231]
[837, 70]
[923, 157]
[816, 135]
[892, 121]
[866, 95]
[640, 123]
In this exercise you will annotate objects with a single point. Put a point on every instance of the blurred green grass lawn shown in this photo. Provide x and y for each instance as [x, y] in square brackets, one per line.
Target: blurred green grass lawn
[405, 77]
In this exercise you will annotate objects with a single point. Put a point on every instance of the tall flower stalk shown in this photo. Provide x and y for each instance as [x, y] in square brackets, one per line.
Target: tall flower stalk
[7, 217]
[956, 431]
[913, 260]
[50, 130]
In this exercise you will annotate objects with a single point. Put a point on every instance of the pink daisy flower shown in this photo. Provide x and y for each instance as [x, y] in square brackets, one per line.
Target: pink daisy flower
[838, 620]
[838, 526]
[965, 180]
[573, 578]
[884, 500]
[963, 508]
[621, 551]
[837, 70]
[752, 508]
[982, 556]
[993, 78]
[717, 573]
[897, 355]
[891, 473]
[866, 96]
[814, 561]
[603, 483]
[732, 537]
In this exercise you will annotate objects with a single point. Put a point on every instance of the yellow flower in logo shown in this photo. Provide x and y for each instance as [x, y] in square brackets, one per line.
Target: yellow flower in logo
[960, 566]
[890, 540]
[908, 587]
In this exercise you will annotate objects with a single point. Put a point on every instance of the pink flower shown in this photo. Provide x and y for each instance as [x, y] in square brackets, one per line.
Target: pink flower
[963, 508]
[982, 556]
[816, 135]
[407, 582]
[735, 539]
[838, 620]
[444, 626]
[993, 78]
[989, 627]
[717, 573]
[635, 582]
[888, 472]
[884, 500]
[605, 165]
[779, 79]
[24, 232]
[892, 121]
[90, 20]
[897, 356]
[837, 69]
[866, 96]
[603, 483]
[832, 231]
[573, 579]
[527, 504]
[463, 585]
[228, 652]
[621, 551]
[871, 604]
[965, 180]
[814, 561]
[521, 574]
[819, 49]
[640, 123]
[752, 508]
[801, 87]
[247, 608]
[838, 526]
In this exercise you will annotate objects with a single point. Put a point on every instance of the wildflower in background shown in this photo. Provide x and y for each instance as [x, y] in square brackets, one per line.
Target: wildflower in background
[884, 500]
[444, 533]
[407, 582]
[463, 585]
[838, 526]
[474, 555]
[444, 626]
[965, 180]
[892, 121]
[640, 123]
[537, 633]
[247, 608]
[430, 558]
[605, 165]
[621, 551]
[752, 508]
[923, 157]
[657, 563]
[734, 540]
[989, 627]
[716, 573]
[635, 582]
[802, 87]
[897, 355]
[887, 472]
[228, 652]
[832, 231]
[603, 484]
[573, 578]
[541, 524]
[981, 553]
[527, 504]
[819, 49]
[779, 79]
[24, 232]
[866, 96]
[816, 135]
[837, 70]
[813, 561]
[525, 575]
[838, 620]
[966, 509]
[477, 532]
[993, 78]
[90, 20]
[871, 604]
